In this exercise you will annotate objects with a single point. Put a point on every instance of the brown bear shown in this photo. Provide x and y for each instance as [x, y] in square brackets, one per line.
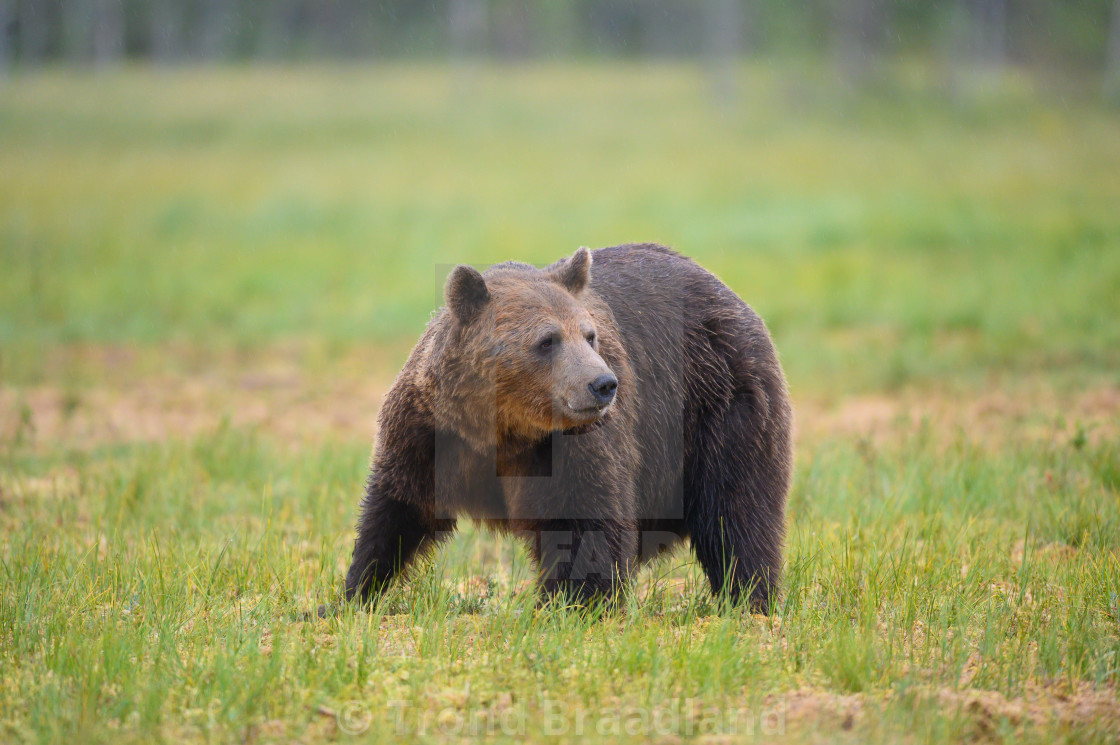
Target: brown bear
[602, 409]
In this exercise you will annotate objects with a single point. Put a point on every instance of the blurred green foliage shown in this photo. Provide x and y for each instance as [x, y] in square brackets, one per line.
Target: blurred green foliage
[885, 237]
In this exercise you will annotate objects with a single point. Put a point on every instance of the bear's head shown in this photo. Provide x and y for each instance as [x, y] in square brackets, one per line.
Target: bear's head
[529, 340]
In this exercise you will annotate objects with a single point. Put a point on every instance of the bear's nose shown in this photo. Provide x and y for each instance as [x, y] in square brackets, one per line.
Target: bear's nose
[603, 388]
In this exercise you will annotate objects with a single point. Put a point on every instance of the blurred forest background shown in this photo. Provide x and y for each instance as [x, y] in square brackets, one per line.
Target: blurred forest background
[1080, 38]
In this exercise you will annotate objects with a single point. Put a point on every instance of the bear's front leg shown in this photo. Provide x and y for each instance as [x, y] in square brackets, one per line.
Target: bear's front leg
[399, 513]
[578, 515]
[582, 561]
[390, 534]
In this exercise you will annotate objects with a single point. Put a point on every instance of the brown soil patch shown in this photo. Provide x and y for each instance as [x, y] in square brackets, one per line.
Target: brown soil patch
[285, 404]
[1083, 706]
[812, 707]
[994, 416]
[284, 396]
[985, 711]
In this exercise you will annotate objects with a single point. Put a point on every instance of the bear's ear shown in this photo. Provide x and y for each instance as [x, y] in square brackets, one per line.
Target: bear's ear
[466, 293]
[575, 273]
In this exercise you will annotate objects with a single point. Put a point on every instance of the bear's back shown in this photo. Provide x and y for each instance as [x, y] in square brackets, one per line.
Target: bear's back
[693, 345]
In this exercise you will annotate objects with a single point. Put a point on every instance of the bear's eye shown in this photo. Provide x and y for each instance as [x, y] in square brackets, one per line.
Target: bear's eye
[591, 338]
[546, 343]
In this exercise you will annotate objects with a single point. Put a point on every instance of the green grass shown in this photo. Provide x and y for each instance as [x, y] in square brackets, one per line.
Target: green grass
[157, 591]
[953, 577]
[886, 240]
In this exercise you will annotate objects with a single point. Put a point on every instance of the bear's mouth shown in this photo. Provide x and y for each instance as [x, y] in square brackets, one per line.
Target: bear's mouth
[586, 414]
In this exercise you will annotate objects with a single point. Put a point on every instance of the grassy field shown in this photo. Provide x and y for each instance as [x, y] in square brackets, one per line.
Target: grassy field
[208, 277]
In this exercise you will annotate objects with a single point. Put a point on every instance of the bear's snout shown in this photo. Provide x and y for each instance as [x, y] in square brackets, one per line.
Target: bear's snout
[603, 389]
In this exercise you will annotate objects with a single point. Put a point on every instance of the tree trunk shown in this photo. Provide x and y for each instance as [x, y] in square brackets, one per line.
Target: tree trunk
[979, 47]
[723, 41]
[1112, 60]
[166, 30]
[216, 29]
[277, 27]
[466, 27]
[512, 29]
[32, 32]
[857, 32]
[5, 40]
[77, 22]
[989, 23]
[108, 32]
